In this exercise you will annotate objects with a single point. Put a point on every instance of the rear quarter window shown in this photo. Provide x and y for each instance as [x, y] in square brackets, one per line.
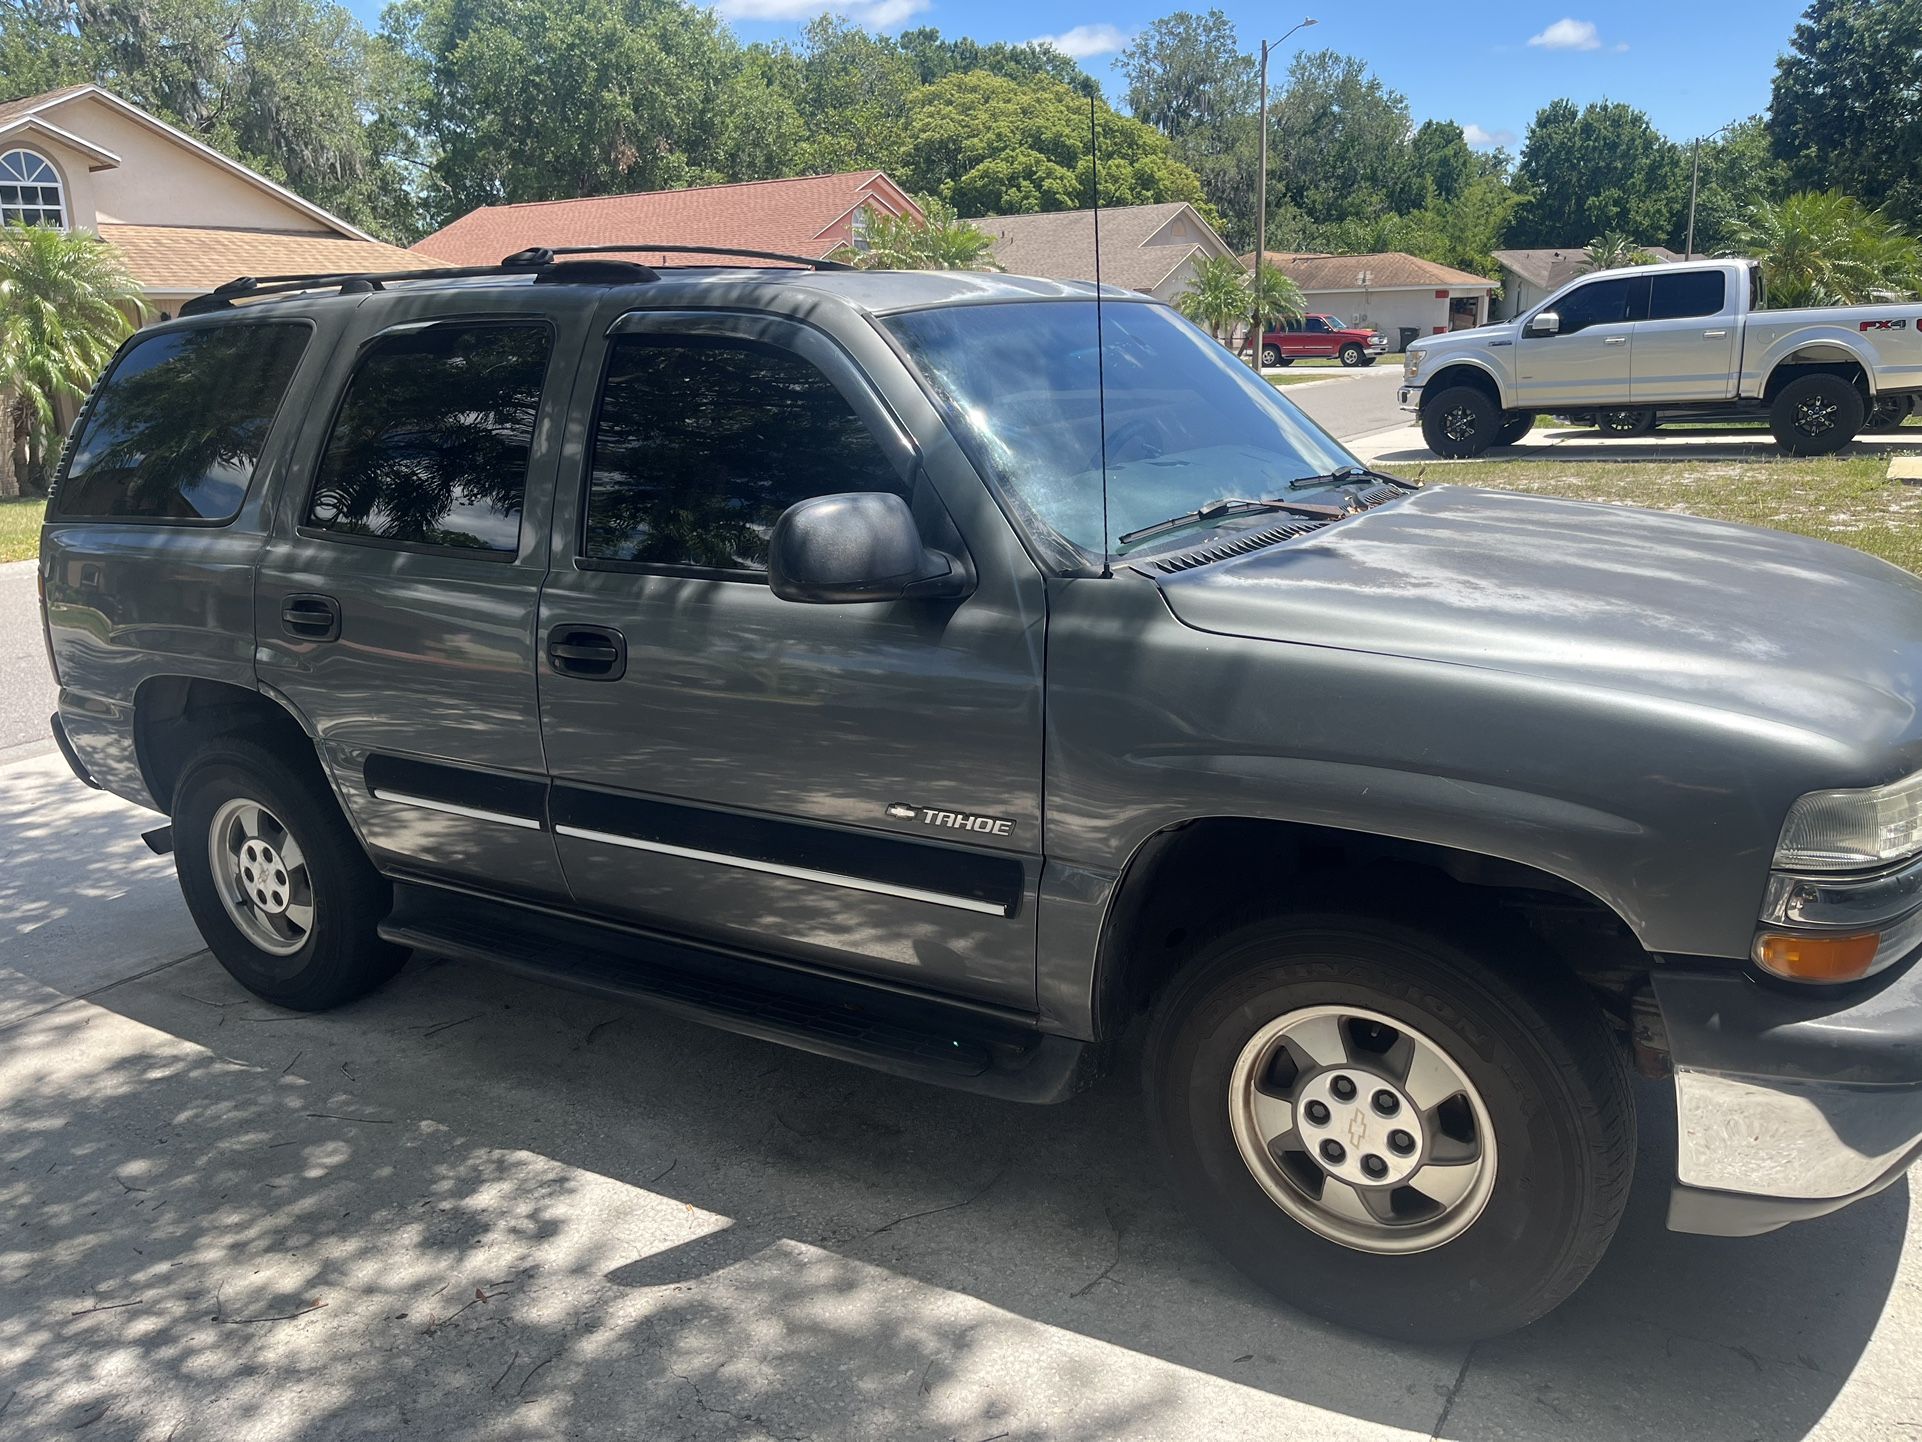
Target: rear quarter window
[175, 430]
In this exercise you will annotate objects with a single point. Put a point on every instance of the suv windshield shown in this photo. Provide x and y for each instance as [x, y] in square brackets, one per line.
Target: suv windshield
[1186, 423]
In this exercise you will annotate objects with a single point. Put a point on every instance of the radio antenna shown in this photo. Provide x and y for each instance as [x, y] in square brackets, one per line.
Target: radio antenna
[1100, 338]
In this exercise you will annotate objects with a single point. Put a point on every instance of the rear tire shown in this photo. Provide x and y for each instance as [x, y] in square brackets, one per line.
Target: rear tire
[1816, 415]
[1352, 356]
[1460, 422]
[1515, 425]
[276, 881]
[1533, 1088]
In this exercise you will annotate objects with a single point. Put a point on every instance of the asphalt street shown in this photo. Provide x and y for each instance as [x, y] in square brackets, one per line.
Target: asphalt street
[26, 685]
[474, 1207]
[1352, 403]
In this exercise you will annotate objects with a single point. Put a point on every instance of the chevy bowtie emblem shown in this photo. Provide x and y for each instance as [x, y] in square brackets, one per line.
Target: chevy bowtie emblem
[951, 820]
[1358, 1129]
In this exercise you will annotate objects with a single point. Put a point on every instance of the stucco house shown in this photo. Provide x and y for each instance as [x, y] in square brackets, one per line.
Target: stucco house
[1530, 277]
[1400, 295]
[183, 216]
[1149, 248]
[812, 215]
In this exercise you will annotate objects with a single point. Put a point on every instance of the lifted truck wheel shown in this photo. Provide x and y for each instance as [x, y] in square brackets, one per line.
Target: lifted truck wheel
[1816, 415]
[1889, 412]
[1420, 1133]
[275, 880]
[1515, 425]
[1460, 422]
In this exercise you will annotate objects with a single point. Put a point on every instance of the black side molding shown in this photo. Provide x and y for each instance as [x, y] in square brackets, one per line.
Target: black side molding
[61, 739]
[950, 1043]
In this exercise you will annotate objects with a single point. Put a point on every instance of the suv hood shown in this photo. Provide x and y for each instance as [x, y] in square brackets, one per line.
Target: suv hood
[1814, 636]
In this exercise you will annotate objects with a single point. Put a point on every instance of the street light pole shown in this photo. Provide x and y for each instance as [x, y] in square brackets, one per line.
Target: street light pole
[1261, 190]
[1695, 185]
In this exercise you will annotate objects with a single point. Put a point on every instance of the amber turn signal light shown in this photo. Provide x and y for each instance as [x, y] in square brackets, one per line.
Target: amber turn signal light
[1802, 957]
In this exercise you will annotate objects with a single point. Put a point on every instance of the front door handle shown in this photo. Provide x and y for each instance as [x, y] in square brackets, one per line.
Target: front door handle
[1713, 334]
[1614, 340]
[310, 617]
[592, 653]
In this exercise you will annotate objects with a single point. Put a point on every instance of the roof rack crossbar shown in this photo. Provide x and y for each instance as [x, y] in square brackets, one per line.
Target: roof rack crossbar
[812, 262]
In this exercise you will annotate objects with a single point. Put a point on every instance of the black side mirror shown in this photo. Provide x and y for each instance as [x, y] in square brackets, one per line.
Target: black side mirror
[1545, 323]
[862, 546]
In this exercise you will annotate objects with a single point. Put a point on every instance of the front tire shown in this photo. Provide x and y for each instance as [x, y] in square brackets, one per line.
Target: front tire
[1816, 415]
[1423, 1133]
[1460, 422]
[276, 881]
[1272, 357]
[1888, 413]
[1352, 356]
[1637, 422]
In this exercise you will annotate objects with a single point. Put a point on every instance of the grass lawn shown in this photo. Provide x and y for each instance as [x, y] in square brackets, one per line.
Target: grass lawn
[1846, 499]
[20, 528]
[1281, 380]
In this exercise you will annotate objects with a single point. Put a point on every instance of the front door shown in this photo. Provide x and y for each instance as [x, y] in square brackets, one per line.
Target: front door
[855, 786]
[1586, 361]
[1685, 347]
[395, 603]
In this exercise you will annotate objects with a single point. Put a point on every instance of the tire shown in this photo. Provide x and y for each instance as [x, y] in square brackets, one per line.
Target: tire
[1352, 356]
[1888, 413]
[1815, 415]
[1369, 361]
[1460, 422]
[1515, 425]
[1625, 422]
[1555, 1125]
[302, 843]
[1270, 356]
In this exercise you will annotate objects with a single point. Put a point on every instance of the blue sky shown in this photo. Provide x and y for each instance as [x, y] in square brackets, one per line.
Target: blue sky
[1693, 65]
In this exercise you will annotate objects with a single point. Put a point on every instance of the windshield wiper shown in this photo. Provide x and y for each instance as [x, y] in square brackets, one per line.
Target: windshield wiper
[1229, 506]
[1352, 473]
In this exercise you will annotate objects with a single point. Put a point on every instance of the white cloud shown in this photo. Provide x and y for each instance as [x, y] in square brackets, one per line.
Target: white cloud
[1484, 139]
[869, 14]
[1084, 41]
[1568, 34]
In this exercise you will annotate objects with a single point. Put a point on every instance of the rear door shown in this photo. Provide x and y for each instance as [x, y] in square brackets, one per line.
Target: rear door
[1587, 361]
[854, 786]
[396, 602]
[1685, 348]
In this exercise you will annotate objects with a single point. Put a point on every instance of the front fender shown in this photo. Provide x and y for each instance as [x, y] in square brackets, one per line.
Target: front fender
[1480, 364]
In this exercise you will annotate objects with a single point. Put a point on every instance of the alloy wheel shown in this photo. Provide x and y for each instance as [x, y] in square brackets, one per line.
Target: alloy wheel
[261, 875]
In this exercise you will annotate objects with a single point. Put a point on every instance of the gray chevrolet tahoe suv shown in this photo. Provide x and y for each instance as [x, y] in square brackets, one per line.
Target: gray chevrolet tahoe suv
[765, 644]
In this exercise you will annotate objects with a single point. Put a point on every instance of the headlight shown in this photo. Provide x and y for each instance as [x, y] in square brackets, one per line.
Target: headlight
[1411, 363]
[1850, 830]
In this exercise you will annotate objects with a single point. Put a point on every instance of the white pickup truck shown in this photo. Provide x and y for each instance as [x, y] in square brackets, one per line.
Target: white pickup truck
[1624, 348]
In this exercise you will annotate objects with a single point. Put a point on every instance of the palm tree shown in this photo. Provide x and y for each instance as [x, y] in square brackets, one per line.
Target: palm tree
[1821, 247]
[1276, 297]
[1217, 294]
[66, 302]
[943, 241]
[1614, 249]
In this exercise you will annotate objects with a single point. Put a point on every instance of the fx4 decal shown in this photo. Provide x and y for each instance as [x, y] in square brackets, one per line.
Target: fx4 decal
[1882, 325]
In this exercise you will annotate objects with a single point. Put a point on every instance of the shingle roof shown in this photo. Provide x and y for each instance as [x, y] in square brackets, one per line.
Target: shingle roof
[27, 104]
[1060, 244]
[181, 258]
[1388, 270]
[802, 216]
[1553, 269]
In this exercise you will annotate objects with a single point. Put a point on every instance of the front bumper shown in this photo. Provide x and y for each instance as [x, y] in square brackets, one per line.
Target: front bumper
[1409, 398]
[1788, 1104]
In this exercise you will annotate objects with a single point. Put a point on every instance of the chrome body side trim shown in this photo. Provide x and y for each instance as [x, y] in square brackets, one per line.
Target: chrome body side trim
[774, 868]
[1782, 1137]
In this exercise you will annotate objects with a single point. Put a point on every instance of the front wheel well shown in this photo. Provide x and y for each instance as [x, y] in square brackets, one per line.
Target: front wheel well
[174, 716]
[1461, 375]
[1183, 878]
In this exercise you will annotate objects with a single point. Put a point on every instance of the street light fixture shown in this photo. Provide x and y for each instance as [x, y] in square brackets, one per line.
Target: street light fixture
[1261, 185]
[1695, 184]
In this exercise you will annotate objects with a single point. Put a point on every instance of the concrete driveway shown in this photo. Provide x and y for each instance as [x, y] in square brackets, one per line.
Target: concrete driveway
[474, 1207]
[26, 683]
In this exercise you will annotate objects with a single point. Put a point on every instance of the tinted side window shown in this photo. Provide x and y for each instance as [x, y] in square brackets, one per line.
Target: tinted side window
[1594, 304]
[178, 425]
[1696, 292]
[1317, 325]
[701, 444]
[432, 440]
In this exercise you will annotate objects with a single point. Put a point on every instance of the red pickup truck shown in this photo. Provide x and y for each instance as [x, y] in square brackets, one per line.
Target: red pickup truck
[1321, 335]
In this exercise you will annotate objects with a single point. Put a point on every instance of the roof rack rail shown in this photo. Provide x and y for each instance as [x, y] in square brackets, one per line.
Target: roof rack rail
[548, 263]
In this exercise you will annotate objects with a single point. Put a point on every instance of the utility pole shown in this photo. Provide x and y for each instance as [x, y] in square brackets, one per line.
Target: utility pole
[1695, 185]
[1261, 192]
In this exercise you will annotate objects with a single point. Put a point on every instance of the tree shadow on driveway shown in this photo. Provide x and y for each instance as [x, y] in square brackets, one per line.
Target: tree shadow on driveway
[530, 1213]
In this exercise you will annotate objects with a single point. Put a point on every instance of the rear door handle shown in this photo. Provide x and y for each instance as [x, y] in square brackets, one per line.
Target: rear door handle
[1713, 334]
[1614, 340]
[311, 617]
[592, 653]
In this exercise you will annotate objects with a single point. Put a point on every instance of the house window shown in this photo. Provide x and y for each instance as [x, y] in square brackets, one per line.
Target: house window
[30, 191]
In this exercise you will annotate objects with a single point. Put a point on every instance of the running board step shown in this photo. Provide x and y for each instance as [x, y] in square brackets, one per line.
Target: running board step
[951, 1044]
